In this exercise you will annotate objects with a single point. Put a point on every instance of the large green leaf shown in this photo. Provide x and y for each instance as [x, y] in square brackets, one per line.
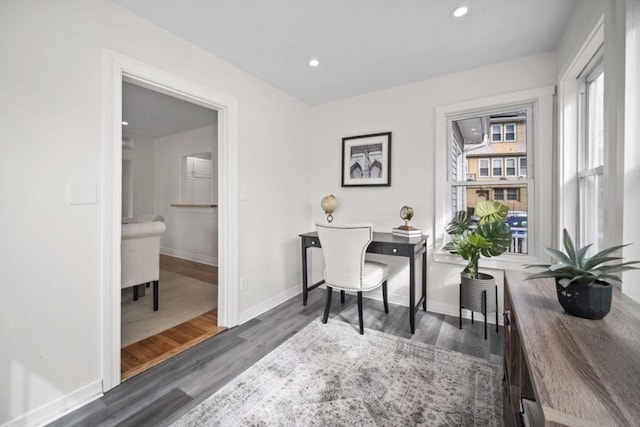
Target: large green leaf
[569, 248]
[498, 233]
[459, 224]
[491, 211]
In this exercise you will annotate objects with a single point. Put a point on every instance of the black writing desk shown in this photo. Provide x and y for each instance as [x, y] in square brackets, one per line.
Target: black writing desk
[385, 244]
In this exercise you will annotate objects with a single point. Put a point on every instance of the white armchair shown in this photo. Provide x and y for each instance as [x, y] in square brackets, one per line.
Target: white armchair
[140, 256]
[344, 249]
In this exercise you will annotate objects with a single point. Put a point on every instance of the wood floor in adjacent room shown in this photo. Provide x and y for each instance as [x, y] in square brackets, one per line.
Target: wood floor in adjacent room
[142, 355]
[160, 395]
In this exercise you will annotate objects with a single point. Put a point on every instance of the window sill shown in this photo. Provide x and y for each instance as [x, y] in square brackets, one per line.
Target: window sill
[191, 205]
[503, 262]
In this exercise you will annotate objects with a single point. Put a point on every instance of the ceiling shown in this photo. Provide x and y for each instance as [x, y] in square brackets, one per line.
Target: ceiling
[362, 46]
[155, 115]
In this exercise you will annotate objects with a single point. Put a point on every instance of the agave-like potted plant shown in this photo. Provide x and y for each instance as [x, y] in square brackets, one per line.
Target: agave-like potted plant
[583, 283]
[492, 236]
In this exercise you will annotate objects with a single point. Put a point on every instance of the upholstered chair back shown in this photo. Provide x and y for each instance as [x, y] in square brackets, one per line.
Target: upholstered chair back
[140, 252]
[344, 249]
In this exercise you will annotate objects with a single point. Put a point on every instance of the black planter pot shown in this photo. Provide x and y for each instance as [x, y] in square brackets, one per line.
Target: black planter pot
[588, 302]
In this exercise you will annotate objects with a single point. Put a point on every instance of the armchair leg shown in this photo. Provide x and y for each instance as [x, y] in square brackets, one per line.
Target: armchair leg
[341, 296]
[135, 293]
[385, 299]
[360, 313]
[327, 306]
[155, 295]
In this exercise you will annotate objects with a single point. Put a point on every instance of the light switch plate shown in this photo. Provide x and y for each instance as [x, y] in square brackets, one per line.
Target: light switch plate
[83, 194]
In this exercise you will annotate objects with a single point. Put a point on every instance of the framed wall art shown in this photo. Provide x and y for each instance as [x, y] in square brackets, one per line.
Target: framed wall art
[366, 160]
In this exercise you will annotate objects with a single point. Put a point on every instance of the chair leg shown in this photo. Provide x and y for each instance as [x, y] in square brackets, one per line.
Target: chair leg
[385, 299]
[327, 306]
[135, 293]
[460, 307]
[360, 313]
[484, 313]
[155, 295]
[497, 309]
[341, 297]
[148, 284]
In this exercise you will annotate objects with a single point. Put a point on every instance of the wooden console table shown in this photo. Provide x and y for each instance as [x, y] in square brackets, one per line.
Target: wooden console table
[385, 244]
[565, 370]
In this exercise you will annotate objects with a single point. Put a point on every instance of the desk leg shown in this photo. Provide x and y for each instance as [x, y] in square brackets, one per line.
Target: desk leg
[305, 290]
[424, 280]
[412, 294]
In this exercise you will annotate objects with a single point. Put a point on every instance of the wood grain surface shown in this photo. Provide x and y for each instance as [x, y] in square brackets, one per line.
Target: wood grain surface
[584, 372]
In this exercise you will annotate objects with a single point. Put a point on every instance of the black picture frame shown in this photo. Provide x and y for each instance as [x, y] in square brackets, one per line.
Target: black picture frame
[366, 160]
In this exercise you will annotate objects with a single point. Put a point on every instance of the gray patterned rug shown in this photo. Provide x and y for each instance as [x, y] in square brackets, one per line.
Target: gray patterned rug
[329, 375]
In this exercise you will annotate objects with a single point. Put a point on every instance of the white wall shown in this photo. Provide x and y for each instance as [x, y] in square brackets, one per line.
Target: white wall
[51, 297]
[142, 156]
[409, 113]
[192, 233]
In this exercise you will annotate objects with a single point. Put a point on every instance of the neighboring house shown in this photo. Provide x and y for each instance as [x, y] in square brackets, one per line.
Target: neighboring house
[504, 158]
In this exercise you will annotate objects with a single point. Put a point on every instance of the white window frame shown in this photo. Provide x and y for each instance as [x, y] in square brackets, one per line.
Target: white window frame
[495, 133]
[493, 159]
[515, 166]
[520, 159]
[488, 160]
[504, 132]
[587, 169]
[506, 194]
[495, 197]
[540, 153]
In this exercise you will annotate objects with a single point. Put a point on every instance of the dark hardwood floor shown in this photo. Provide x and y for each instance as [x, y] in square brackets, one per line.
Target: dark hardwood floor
[163, 393]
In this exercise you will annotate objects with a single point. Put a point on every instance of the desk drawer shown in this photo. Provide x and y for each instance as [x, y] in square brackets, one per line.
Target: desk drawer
[389, 249]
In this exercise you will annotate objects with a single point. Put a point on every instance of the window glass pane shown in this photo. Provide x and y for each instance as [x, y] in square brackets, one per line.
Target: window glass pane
[591, 212]
[496, 133]
[496, 167]
[466, 197]
[523, 166]
[484, 167]
[510, 132]
[595, 144]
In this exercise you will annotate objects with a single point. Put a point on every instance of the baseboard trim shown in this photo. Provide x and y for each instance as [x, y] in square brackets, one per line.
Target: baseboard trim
[59, 407]
[190, 256]
[267, 305]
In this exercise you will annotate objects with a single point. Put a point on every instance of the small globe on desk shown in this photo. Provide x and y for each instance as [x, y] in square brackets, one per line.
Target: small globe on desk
[406, 213]
[329, 205]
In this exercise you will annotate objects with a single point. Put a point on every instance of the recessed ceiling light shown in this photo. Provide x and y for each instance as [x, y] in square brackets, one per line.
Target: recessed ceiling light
[461, 11]
[125, 123]
[314, 62]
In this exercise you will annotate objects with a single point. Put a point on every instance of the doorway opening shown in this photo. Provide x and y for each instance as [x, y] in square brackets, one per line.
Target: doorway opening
[118, 70]
[169, 177]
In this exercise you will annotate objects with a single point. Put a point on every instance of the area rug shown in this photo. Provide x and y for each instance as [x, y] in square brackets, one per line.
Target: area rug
[329, 375]
[181, 298]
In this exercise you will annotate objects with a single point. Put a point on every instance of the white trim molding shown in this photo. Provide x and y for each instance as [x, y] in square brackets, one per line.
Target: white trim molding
[272, 302]
[59, 407]
[118, 67]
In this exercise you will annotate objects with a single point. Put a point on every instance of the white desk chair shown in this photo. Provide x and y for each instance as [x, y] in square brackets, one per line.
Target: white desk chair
[344, 249]
[140, 256]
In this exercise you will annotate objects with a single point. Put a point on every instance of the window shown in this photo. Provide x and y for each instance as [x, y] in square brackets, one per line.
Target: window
[532, 110]
[496, 167]
[523, 166]
[509, 194]
[510, 132]
[496, 133]
[591, 154]
[498, 176]
[510, 167]
[484, 167]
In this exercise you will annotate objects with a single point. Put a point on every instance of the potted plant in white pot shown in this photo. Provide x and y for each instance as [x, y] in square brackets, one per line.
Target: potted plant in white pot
[491, 237]
[583, 283]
